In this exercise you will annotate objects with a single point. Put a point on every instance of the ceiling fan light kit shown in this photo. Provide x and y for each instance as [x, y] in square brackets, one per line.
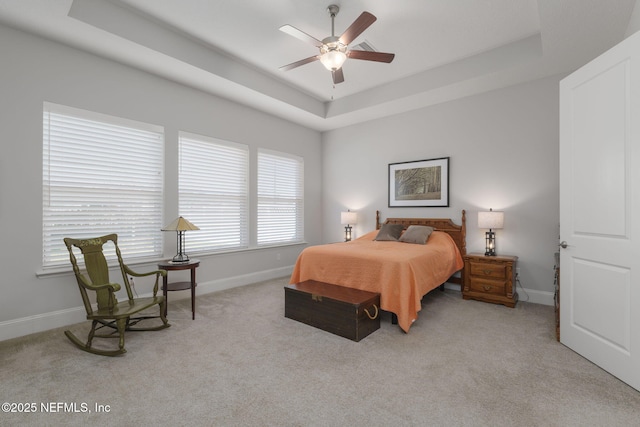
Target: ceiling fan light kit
[334, 51]
[333, 54]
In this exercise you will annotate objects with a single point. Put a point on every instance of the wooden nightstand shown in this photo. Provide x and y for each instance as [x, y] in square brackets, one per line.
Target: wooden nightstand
[490, 279]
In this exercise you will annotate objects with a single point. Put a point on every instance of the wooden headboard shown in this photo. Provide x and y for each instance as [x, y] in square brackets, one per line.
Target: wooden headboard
[457, 232]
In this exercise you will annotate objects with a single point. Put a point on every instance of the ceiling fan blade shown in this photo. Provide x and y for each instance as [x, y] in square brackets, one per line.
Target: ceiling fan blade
[338, 76]
[299, 63]
[371, 56]
[301, 35]
[359, 25]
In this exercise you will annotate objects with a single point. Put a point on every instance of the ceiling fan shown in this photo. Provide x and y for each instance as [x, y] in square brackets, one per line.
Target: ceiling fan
[335, 50]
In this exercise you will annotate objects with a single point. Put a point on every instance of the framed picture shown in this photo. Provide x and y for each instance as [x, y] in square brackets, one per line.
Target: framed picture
[421, 183]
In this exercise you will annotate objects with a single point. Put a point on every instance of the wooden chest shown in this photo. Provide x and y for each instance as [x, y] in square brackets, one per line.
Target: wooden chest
[350, 313]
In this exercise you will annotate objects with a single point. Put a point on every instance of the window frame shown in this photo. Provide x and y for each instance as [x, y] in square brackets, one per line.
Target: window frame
[280, 196]
[218, 226]
[86, 214]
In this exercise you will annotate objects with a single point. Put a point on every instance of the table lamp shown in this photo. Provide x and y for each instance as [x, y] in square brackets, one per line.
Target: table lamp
[180, 225]
[493, 221]
[348, 218]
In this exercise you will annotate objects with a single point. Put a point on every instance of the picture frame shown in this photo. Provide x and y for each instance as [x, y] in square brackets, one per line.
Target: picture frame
[420, 183]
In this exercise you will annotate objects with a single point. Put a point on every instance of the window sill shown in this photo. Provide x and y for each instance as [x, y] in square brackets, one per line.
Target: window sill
[67, 270]
[251, 249]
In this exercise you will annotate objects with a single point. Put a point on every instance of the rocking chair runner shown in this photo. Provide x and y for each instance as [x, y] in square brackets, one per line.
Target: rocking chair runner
[110, 312]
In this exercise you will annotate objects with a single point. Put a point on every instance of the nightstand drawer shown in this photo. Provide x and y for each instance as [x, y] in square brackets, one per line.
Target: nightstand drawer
[487, 286]
[498, 271]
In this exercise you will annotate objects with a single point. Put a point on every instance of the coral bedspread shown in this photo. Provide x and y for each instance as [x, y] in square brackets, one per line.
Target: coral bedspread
[401, 272]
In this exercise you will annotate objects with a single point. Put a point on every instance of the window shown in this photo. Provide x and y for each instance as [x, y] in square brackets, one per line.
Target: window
[101, 175]
[280, 198]
[213, 192]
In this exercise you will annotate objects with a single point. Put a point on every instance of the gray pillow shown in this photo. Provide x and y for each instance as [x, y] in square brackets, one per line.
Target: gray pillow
[417, 234]
[390, 232]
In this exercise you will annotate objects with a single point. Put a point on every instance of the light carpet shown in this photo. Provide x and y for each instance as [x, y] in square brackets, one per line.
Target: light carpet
[242, 363]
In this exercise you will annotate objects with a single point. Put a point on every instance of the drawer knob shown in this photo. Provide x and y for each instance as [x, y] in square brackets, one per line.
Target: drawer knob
[487, 272]
[487, 287]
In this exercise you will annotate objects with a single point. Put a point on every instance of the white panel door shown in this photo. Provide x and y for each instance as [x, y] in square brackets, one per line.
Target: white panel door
[600, 211]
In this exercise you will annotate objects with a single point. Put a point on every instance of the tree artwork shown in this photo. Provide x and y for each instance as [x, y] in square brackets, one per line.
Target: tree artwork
[421, 183]
[418, 183]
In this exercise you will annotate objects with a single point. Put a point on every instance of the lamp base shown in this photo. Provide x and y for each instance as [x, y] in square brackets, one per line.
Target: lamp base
[490, 243]
[347, 233]
[180, 258]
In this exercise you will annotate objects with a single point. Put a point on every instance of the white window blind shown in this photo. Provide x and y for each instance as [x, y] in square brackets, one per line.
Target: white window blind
[280, 198]
[213, 192]
[101, 175]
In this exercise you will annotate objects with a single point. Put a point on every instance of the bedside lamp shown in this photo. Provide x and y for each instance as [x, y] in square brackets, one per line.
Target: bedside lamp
[180, 225]
[348, 218]
[493, 221]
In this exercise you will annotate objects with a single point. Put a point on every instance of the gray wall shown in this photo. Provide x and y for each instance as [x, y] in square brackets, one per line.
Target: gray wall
[503, 149]
[34, 70]
[634, 20]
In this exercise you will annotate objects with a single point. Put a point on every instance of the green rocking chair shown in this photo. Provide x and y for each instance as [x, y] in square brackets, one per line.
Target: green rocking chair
[110, 313]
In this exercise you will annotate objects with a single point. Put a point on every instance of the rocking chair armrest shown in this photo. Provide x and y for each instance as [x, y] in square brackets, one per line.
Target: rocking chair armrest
[149, 273]
[158, 273]
[112, 287]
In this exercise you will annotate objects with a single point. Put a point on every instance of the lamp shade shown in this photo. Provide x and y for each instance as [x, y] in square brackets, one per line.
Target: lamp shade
[180, 224]
[492, 220]
[348, 217]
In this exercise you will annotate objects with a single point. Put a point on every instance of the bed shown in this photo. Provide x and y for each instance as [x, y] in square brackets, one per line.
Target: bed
[401, 272]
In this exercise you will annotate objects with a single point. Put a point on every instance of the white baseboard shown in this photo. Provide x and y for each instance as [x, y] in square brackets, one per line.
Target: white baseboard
[233, 282]
[535, 297]
[524, 295]
[42, 322]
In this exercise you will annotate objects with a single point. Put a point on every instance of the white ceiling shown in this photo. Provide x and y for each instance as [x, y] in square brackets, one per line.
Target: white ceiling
[444, 49]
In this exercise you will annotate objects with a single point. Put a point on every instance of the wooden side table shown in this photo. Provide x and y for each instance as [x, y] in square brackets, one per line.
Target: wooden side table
[490, 279]
[180, 286]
